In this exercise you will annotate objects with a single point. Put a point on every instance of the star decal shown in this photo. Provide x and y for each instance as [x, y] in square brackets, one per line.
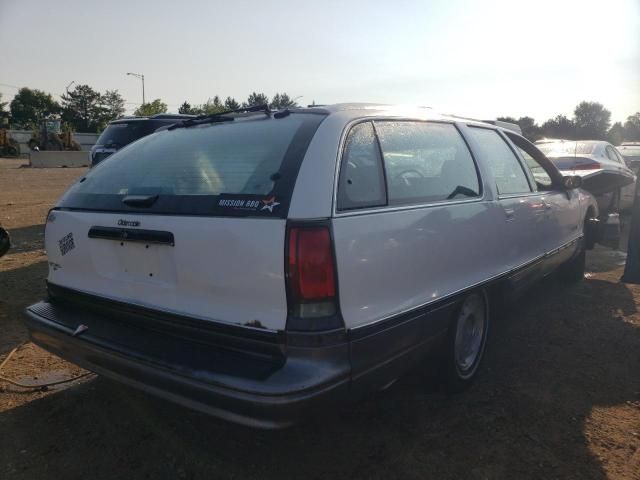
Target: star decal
[269, 203]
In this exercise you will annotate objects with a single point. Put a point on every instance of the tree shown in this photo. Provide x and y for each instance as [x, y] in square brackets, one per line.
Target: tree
[281, 101]
[2, 104]
[632, 128]
[231, 104]
[153, 108]
[212, 106]
[529, 128]
[591, 121]
[256, 99]
[185, 108]
[29, 106]
[615, 135]
[82, 108]
[559, 127]
[507, 119]
[113, 104]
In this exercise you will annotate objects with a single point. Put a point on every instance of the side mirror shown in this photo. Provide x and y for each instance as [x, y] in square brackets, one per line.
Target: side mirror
[569, 182]
[5, 243]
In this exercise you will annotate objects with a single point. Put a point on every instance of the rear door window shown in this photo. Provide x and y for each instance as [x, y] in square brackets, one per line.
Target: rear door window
[361, 183]
[118, 135]
[611, 153]
[506, 168]
[426, 162]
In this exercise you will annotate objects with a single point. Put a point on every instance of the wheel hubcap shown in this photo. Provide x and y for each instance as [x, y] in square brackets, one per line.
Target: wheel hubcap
[470, 330]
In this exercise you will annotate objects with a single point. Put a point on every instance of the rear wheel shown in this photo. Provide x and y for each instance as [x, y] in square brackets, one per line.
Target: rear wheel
[573, 270]
[5, 241]
[614, 204]
[466, 341]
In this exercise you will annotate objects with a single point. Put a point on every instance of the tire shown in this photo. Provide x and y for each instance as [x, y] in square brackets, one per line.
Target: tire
[614, 206]
[54, 143]
[573, 270]
[466, 341]
[13, 148]
[5, 241]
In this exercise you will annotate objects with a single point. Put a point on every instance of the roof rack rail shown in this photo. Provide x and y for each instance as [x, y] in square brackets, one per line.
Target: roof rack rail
[171, 115]
[219, 117]
[506, 125]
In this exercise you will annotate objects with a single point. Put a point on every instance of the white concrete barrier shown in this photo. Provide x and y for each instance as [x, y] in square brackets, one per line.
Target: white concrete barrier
[52, 159]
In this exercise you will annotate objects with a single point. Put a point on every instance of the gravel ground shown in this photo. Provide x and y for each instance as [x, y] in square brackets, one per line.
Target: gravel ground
[558, 397]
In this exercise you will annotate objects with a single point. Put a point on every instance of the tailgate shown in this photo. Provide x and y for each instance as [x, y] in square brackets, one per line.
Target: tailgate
[221, 269]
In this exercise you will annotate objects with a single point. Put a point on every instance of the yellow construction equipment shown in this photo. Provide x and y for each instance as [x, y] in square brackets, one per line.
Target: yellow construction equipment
[50, 136]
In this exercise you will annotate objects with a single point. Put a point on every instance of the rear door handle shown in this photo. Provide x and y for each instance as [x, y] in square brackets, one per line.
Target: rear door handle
[132, 235]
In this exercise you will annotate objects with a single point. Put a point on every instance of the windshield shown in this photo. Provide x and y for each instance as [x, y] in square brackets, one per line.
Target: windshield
[121, 134]
[248, 157]
[561, 149]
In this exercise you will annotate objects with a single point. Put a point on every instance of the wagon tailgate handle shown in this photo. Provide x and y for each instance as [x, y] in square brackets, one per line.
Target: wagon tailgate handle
[140, 200]
[157, 237]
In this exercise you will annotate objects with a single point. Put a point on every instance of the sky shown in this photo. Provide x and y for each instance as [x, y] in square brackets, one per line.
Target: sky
[481, 59]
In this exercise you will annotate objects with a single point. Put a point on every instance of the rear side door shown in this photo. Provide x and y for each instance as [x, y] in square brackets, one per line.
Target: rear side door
[411, 223]
[562, 224]
[523, 209]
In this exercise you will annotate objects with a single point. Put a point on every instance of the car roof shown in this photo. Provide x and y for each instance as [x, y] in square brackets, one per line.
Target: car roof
[353, 111]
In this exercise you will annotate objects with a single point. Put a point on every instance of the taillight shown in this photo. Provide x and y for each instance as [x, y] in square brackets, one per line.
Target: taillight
[587, 166]
[311, 273]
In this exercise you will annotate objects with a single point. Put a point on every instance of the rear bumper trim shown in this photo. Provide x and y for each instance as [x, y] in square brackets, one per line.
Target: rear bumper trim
[303, 384]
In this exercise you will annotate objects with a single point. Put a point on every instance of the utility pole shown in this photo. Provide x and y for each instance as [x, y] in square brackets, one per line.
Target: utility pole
[139, 76]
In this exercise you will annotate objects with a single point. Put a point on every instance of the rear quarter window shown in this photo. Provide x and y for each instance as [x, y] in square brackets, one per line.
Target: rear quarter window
[361, 183]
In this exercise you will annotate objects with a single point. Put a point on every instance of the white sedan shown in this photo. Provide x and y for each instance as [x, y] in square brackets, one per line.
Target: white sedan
[603, 170]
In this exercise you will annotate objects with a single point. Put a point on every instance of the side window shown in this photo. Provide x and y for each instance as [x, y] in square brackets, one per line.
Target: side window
[611, 153]
[507, 170]
[426, 162]
[361, 182]
[540, 175]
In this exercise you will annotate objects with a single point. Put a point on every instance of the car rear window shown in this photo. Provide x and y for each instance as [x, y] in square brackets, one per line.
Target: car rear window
[561, 149]
[242, 162]
[121, 134]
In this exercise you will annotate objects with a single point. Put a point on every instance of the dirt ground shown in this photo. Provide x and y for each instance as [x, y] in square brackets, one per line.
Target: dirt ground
[558, 397]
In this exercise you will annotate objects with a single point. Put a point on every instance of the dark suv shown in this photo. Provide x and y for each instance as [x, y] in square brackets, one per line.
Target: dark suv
[123, 131]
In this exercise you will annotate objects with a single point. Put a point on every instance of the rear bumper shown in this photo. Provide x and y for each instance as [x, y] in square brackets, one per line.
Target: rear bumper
[225, 383]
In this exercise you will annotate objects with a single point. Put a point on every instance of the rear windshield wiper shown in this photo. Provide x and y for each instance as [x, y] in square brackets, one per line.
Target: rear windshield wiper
[218, 117]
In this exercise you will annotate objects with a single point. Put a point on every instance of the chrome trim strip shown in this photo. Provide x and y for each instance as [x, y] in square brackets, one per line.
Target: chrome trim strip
[417, 206]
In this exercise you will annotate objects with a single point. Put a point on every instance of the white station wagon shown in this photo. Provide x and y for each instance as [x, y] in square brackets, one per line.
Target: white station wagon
[261, 266]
